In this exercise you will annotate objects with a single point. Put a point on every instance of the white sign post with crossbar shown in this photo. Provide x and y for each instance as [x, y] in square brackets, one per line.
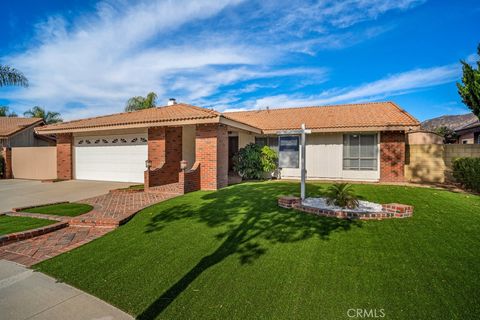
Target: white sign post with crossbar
[303, 169]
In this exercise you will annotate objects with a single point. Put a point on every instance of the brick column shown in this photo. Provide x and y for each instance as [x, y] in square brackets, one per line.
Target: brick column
[7, 163]
[392, 156]
[211, 152]
[165, 152]
[64, 156]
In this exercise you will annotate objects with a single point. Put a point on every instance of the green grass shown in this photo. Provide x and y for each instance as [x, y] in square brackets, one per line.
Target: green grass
[62, 209]
[234, 254]
[15, 224]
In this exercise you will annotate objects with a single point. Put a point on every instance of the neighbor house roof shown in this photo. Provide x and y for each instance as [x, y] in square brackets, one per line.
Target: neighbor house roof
[470, 126]
[11, 125]
[360, 117]
[348, 117]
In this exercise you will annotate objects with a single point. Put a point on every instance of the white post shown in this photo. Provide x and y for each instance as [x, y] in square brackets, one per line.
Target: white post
[302, 164]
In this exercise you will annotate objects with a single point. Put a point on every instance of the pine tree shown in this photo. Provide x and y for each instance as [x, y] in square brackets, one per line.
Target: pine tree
[470, 90]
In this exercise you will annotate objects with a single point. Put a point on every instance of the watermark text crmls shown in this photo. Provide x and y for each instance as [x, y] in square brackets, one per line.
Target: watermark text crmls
[365, 313]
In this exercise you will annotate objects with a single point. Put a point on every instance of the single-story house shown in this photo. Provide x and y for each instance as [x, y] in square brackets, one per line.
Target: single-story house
[180, 147]
[19, 132]
[470, 133]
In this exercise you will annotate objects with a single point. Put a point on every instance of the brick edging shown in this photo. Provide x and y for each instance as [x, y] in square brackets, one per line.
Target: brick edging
[27, 234]
[19, 209]
[389, 210]
[126, 190]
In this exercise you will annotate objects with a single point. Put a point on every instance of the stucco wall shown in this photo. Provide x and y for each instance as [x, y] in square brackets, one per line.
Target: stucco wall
[422, 137]
[245, 138]
[37, 163]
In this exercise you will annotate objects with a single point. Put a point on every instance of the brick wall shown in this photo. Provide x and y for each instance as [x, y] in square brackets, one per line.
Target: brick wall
[165, 152]
[392, 156]
[6, 154]
[211, 151]
[64, 156]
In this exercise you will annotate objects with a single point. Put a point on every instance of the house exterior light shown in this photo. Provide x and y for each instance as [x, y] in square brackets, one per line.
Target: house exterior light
[148, 164]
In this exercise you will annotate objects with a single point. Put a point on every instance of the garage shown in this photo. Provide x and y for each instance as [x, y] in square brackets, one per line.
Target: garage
[111, 157]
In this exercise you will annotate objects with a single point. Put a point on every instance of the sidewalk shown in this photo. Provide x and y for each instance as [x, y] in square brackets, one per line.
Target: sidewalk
[25, 294]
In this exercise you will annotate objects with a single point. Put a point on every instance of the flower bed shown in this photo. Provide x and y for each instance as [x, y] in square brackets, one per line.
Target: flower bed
[366, 210]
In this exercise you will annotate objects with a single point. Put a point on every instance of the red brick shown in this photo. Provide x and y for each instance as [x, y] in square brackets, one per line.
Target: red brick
[64, 156]
[392, 156]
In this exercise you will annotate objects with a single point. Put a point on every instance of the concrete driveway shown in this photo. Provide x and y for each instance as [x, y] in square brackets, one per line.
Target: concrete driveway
[19, 193]
[25, 294]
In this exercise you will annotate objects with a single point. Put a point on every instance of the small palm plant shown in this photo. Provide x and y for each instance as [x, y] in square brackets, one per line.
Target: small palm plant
[342, 195]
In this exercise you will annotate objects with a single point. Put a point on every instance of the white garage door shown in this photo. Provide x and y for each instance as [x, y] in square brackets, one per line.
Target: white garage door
[111, 158]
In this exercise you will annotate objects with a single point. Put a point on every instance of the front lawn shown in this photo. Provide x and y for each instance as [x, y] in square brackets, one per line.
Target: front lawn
[10, 224]
[234, 254]
[62, 209]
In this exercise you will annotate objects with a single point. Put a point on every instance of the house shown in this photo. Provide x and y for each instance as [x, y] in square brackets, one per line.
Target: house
[181, 148]
[470, 133]
[19, 132]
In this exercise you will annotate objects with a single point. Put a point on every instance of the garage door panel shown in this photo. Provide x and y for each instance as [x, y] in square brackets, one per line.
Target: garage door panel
[110, 159]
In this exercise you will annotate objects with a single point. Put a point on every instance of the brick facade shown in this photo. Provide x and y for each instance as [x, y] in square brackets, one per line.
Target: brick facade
[211, 151]
[165, 152]
[64, 156]
[6, 154]
[392, 156]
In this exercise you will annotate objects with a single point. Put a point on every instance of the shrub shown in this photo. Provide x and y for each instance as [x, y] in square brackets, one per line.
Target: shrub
[467, 172]
[252, 161]
[342, 195]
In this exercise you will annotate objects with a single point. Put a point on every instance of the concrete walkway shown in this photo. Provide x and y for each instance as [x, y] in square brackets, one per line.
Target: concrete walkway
[20, 193]
[25, 294]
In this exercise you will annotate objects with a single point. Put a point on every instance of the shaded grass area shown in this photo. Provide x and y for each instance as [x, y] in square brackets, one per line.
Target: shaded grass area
[62, 209]
[234, 254]
[15, 224]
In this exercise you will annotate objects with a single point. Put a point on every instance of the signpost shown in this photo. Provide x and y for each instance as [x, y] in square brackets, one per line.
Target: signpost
[303, 170]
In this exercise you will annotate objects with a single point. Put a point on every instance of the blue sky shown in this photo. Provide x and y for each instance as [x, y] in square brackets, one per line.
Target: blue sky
[86, 58]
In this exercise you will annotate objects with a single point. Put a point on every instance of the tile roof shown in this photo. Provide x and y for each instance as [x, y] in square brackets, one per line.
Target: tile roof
[154, 116]
[360, 116]
[375, 115]
[11, 125]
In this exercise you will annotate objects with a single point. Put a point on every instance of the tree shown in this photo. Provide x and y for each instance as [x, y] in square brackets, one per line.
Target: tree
[4, 112]
[48, 117]
[470, 90]
[12, 77]
[139, 103]
[449, 135]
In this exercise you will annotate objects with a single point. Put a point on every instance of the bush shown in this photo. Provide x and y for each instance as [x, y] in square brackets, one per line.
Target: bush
[467, 172]
[252, 161]
[342, 195]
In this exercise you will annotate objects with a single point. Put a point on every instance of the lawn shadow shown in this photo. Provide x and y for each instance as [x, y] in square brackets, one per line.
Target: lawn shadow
[250, 215]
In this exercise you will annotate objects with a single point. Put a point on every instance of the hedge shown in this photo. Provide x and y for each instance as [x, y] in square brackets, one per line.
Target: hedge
[467, 172]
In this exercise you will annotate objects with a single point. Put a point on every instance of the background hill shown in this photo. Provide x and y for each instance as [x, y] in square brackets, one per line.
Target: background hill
[451, 122]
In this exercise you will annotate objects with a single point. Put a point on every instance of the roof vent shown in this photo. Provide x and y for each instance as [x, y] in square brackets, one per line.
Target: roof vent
[171, 102]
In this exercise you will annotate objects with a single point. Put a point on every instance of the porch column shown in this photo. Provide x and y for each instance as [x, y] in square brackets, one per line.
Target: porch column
[211, 152]
[392, 156]
[64, 156]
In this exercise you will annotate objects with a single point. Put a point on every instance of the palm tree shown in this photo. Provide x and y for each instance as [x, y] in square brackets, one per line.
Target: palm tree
[12, 77]
[4, 112]
[48, 117]
[139, 103]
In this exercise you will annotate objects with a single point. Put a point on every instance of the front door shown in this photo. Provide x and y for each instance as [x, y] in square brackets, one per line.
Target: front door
[232, 150]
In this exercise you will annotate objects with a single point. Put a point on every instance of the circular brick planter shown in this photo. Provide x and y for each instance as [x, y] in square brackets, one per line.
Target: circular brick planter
[389, 210]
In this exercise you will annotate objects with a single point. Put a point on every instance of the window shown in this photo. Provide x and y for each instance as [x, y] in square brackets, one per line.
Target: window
[272, 142]
[288, 156]
[465, 142]
[360, 152]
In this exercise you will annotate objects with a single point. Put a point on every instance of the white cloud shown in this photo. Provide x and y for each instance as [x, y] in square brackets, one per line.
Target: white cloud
[128, 48]
[393, 85]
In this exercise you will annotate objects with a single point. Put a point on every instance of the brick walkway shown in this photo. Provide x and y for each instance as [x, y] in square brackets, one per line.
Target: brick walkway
[110, 210]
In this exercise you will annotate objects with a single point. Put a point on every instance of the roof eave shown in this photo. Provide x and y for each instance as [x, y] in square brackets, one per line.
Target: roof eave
[353, 129]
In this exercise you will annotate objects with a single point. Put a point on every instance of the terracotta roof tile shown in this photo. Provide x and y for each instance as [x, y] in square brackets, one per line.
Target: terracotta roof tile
[176, 112]
[11, 125]
[363, 115]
